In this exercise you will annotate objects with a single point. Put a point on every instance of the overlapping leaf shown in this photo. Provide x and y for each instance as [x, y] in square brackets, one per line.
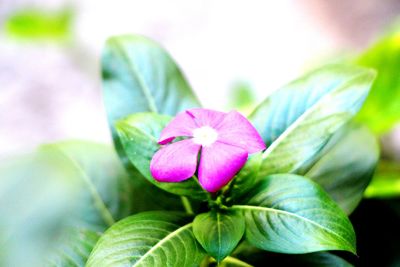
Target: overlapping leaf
[37, 193]
[104, 195]
[290, 214]
[219, 232]
[73, 248]
[139, 133]
[62, 198]
[346, 165]
[297, 121]
[140, 76]
[106, 192]
[148, 239]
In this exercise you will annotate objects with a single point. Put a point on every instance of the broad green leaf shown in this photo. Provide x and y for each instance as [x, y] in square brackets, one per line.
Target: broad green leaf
[290, 214]
[148, 239]
[105, 190]
[140, 76]
[57, 202]
[107, 194]
[139, 134]
[297, 121]
[386, 181]
[219, 232]
[382, 107]
[104, 195]
[73, 248]
[37, 194]
[346, 165]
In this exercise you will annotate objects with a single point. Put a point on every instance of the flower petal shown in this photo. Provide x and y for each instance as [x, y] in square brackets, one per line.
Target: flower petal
[175, 162]
[218, 165]
[237, 130]
[206, 117]
[182, 125]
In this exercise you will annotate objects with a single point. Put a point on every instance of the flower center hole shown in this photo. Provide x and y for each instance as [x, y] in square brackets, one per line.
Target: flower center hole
[205, 136]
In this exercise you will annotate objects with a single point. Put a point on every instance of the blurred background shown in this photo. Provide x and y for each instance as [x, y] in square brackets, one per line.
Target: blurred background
[49, 53]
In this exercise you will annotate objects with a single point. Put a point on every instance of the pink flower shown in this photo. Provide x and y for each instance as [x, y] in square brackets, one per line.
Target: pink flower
[224, 141]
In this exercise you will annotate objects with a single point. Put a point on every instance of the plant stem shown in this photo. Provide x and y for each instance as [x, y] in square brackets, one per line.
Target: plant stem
[206, 261]
[186, 204]
[236, 261]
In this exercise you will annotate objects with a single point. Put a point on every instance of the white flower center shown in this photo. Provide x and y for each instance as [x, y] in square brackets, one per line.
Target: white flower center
[205, 136]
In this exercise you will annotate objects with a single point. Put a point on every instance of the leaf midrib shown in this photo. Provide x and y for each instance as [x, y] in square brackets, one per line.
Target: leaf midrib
[265, 209]
[149, 136]
[219, 234]
[99, 203]
[132, 69]
[162, 241]
[302, 117]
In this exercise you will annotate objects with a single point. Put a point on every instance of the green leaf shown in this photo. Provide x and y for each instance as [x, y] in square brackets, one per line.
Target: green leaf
[298, 120]
[59, 200]
[105, 189]
[104, 195]
[346, 165]
[382, 107]
[148, 239]
[107, 194]
[290, 214]
[140, 76]
[37, 194]
[73, 248]
[386, 181]
[219, 232]
[139, 134]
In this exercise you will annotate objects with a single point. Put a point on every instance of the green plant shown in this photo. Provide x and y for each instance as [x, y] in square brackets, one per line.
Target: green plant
[292, 198]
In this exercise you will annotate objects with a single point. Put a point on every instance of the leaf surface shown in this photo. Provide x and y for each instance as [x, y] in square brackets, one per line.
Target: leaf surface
[140, 76]
[148, 239]
[139, 134]
[346, 165]
[290, 214]
[298, 120]
[219, 232]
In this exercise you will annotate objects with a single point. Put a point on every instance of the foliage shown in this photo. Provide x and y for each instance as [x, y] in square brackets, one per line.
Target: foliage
[307, 127]
[68, 193]
[292, 198]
